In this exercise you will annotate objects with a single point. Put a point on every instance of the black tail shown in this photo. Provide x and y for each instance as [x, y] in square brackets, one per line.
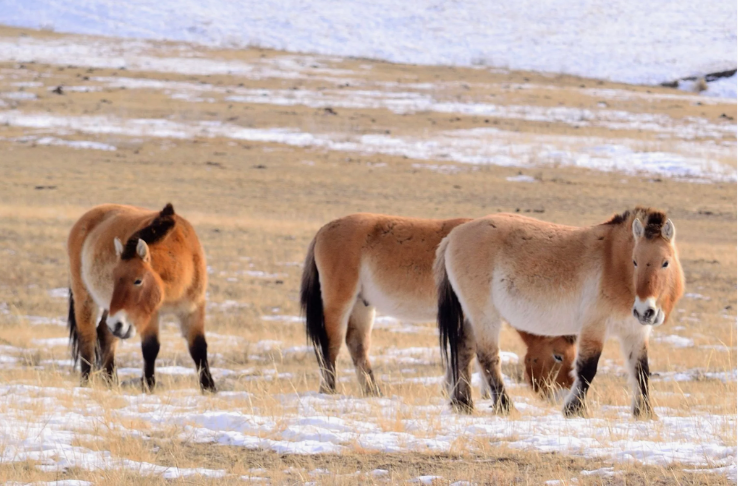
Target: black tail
[72, 325]
[311, 303]
[74, 336]
[450, 321]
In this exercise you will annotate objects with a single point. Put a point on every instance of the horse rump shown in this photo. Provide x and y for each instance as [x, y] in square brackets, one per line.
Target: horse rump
[311, 305]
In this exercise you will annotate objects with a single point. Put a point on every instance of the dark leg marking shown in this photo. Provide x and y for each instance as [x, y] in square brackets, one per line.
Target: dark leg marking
[586, 370]
[105, 342]
[150, 349]
[642, 404]
[199, 353]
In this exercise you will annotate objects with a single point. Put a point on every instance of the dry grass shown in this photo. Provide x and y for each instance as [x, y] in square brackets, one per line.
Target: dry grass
[257, 205]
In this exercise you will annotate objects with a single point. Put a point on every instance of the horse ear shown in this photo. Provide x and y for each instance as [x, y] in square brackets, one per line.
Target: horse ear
[143, 250]
[668, 231]
[118, 247]
[637, 229]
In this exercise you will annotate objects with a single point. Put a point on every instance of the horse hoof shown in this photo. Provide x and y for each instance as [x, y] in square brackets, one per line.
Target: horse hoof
[373, 392]
[462, 407]
[645, 414]
[574, 409]
[502, 409]
[147, 386]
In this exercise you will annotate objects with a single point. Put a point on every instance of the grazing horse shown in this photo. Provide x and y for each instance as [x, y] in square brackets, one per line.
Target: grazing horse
[160, 269]
[621, 277]
[366, 262]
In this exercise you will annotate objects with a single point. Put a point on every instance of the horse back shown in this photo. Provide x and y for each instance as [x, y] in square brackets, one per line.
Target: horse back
[387, 260]
[534, 272]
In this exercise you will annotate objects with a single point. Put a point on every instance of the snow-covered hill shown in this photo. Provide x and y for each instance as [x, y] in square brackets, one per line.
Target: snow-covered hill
[632, 41]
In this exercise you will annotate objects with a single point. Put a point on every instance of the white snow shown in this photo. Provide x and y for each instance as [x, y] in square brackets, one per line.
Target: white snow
[59, 293]
[474, 146]
[675, 341]
[521, 178]
[620, 40]
[426, 479]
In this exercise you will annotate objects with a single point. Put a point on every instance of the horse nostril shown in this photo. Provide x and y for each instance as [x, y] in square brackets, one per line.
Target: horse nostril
[649, 314]
[636, 314]
[118, 327]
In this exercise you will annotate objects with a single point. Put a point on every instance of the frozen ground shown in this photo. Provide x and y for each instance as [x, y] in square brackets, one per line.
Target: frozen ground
[637, 142]
[623, 40]
[70, 426]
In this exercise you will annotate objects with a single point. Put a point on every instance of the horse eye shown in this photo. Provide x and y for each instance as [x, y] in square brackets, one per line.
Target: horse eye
[635, 264]
[137, 282]
[558, 357]
[665, 264]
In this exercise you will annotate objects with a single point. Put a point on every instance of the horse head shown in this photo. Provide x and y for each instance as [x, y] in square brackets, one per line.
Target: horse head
[657, 274]
[138, 290]
[549, 362]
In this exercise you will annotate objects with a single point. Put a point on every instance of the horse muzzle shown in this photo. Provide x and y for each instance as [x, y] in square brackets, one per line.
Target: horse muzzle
[647, 312]
[119, 325]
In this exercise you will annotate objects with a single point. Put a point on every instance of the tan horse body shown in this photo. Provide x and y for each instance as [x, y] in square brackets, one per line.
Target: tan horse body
[621, 277]
[367, 262]
[129, 265]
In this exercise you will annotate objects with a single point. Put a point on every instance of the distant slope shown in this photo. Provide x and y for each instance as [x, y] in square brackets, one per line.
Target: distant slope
[632, 41]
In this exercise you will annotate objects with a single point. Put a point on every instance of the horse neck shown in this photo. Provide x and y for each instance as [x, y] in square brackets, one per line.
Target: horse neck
[617, 271]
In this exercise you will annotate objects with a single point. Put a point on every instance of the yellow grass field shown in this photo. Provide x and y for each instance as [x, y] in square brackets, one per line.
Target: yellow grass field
[259, 149]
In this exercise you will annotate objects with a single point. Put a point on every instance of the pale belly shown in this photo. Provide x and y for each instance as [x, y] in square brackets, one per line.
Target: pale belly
[550, 314]
[412, 306]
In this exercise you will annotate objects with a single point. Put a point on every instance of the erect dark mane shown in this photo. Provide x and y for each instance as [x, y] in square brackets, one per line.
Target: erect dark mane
[152, 233]
[652, 220]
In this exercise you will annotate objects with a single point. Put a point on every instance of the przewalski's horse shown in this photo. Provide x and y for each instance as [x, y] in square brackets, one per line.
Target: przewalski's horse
[159, 269]
[620, 277]
[366, 262]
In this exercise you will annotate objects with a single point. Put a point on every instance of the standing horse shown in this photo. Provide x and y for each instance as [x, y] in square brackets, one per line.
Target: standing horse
[160, 269]
[366, 262]
[621, 277]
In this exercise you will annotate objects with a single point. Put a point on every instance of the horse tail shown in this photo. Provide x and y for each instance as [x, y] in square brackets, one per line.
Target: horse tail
[311, 305]
[73, 335]
[450, 314]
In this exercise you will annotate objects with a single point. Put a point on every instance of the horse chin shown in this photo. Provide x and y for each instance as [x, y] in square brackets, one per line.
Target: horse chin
[660, 318]
[128, 334]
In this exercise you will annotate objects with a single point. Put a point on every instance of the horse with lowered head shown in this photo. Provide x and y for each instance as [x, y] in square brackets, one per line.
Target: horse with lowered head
[159, 269]
[621, 277]
[366, 262]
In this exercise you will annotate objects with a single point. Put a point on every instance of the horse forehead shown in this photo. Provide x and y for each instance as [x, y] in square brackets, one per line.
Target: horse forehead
[654, 248]
[129, 267]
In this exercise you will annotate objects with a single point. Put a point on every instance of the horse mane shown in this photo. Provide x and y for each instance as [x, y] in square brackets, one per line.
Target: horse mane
[152, 233]
[652, 220]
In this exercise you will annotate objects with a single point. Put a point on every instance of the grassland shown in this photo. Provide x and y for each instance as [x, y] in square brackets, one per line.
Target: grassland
[257, 203]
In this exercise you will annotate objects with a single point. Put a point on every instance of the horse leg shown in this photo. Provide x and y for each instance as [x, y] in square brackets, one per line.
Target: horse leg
[150, 350]
[484, 389]
[193, 329]
[635, 352]
[108, 344]
[488, 354]
[85, 333]
[591, 340]
[358, 341]
[461, 391]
